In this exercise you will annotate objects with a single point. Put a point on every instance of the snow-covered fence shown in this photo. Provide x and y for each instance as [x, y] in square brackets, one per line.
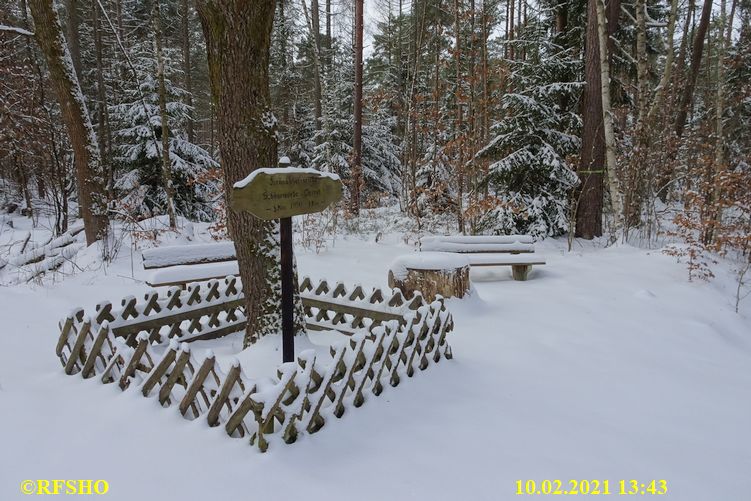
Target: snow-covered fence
[138, 345]
[216, 308]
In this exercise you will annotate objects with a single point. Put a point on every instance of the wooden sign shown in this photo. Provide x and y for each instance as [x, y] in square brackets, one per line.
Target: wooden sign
[281, 193]
[285, 192]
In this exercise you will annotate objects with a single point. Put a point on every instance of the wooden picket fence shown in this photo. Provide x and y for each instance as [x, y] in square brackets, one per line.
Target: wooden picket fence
[145, 345]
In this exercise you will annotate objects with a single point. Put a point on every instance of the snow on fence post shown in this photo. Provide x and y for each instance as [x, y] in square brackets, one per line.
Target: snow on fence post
[141, 345]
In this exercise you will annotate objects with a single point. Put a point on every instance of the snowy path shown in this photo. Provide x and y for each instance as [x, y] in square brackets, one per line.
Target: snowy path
[606, 364]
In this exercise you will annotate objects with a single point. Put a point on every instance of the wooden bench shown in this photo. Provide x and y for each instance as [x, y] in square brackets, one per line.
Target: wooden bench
[183, 264]
[517, 251]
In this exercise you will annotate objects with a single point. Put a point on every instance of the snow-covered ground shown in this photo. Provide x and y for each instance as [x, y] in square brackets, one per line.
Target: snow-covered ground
[606, 364]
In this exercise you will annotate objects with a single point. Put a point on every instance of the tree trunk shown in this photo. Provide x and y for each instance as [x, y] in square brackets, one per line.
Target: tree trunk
[102, 114]
[592, 158]
[667, 72]
[89, 176]
[164, 117]
[613, 183]
[187, 78]
[458, 124]
[317, 109]
[357, 140]
[719, 158]
[696, 55]
[238, 36]
[73, 26]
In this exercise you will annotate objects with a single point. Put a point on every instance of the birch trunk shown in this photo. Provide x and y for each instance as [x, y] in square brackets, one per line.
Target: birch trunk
[613, 183]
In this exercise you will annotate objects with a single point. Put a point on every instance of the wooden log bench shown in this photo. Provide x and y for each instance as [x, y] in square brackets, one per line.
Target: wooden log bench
[517, 251]
[183, 264]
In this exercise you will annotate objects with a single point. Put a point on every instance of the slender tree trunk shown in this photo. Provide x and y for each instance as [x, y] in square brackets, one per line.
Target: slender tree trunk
[328, 34]
[458, 124]
[510, 14]
[696, 55]
[641, 60]
[659, 92]
[357, 140]
[238, 36]
[312, 22]
[187, 67]
[719, 158]
[89, 173]
[164, 117]
[616, 199]
[102, 113]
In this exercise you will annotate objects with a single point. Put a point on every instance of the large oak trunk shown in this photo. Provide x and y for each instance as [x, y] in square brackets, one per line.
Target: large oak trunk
[238, 35]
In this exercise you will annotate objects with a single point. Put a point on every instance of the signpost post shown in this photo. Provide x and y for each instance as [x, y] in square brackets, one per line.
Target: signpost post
[280, 193]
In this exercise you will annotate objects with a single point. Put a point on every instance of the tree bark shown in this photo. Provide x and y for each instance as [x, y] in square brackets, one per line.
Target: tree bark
[592, 158]
[238, 36]
[616, 199]
[73, 26]
[312, 22]
[103, 134]
[89, 172]
[696, 54]
[458, 123]
[187, 77]
[667, 72]
[357, 140]
[164, 117]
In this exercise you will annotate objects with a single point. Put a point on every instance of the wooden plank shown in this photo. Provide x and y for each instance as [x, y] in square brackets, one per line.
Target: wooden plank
[196, 384]
[246, 405]
[375, 314]
[221, 397]
[76, 350]
[177, 371]
[134, 361]
[96, 348]
[63, 339]
[156, 374]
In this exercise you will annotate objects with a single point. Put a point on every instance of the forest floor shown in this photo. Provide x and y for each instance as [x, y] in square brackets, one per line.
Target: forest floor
[606, 364]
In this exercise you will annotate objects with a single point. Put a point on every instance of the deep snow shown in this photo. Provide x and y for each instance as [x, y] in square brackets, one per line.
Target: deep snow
[606, 364]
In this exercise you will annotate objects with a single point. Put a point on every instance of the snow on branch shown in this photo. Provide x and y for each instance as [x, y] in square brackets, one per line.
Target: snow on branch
[17, 30]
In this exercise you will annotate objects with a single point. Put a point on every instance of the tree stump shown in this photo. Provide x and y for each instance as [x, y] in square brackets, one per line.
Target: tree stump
[432, 274]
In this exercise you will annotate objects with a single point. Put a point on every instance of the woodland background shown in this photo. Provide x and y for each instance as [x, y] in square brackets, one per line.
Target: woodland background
[497, 113]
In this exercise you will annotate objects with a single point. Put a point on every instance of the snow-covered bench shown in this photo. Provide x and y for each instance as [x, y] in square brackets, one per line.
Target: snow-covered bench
[183, 264]
[517, 251]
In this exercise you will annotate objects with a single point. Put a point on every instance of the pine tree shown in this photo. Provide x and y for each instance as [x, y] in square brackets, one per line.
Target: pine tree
[138, 182]
[531, 175]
